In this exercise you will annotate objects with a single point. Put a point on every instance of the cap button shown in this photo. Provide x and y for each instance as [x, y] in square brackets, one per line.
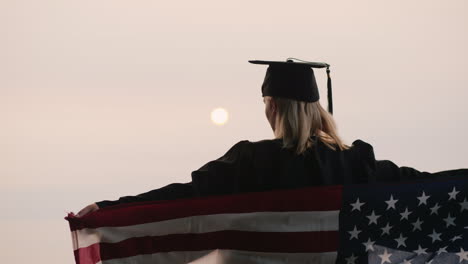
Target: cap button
[289, 60]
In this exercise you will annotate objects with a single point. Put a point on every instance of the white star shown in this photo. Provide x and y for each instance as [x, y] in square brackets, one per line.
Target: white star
[406, 261]
[373, 218]
[386, 229]
[369, 245]
[435, 236]
[391, 203]
[449, 220]
[423, 199]
[442, 250]
[385, 257]
[405, 214]
[417, 224]
[463, 255]
[464, 205]
[420, 250]
[401, 241]
[357, 205]
[455, 238]
[351, 259]
[354, 233]
[435, 208]
[453, 194]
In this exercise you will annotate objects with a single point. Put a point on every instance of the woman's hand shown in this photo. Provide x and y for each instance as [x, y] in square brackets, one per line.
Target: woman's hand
[88, 209]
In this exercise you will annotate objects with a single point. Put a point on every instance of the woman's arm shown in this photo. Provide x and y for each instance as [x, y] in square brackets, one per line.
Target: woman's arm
[225, 175]
[215, 177]
[169, 192]
[388, 171]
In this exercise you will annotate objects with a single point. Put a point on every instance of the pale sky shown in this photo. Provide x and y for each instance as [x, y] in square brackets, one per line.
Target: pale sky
[102, 99]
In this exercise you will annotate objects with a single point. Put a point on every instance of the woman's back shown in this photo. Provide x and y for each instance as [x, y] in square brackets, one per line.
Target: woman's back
[266, 165]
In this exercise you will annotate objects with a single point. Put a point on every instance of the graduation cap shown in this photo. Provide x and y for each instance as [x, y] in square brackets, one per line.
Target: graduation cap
[294, 80]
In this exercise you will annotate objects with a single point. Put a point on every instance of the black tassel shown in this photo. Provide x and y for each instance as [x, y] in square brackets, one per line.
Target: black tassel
[329, 88]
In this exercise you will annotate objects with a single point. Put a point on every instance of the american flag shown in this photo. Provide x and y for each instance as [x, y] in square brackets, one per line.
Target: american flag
[424, 222]
[413, 223]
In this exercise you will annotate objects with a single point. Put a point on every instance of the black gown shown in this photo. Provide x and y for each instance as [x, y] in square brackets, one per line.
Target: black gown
[264, 165]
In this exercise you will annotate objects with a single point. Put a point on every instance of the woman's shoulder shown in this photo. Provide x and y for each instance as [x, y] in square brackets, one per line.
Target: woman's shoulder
[358, 145]
[260, 147]
[363, 150]
[361, 145]
[239, 146]
[257, 143]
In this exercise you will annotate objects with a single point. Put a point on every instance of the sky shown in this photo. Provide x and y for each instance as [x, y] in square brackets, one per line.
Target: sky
[103, 99]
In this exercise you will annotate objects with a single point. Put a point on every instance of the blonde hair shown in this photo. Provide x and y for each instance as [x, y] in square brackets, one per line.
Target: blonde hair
[298, 121]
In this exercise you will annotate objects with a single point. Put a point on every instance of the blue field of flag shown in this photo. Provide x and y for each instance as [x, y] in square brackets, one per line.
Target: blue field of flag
[423, 222]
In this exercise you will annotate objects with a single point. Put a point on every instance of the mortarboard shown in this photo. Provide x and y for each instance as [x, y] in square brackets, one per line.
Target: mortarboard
[294, 80]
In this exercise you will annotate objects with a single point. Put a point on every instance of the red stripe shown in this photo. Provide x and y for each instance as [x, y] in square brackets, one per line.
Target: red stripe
[88, 255]
[290, 242]
[324, 198]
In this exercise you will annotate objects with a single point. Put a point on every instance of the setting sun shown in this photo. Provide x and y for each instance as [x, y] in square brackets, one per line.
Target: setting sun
[219, 116]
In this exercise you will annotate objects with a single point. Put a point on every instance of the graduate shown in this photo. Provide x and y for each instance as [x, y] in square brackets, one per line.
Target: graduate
[306, 150]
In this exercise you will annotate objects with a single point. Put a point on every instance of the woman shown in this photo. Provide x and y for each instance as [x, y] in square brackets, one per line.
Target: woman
[306, 150]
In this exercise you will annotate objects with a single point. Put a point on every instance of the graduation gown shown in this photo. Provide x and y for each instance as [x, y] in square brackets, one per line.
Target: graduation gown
[264, 165]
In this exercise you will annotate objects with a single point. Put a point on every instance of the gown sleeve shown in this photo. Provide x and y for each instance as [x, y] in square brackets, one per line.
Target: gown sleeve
[169, 192]
[220, 176]
[388, 171]
[227, 174]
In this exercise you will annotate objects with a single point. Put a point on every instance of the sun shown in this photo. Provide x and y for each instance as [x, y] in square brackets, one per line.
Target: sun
[219, 116]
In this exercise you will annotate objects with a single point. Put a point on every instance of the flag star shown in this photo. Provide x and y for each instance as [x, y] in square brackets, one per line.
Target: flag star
[369, 245]
[373, 218]
[405, 214]
[357, 205]
[435, 208]
[453, 194]
[401, 241]
[385, 257]
[420, 250]
[423, 198]
[386, 229]
[442, 250]
[463, 255]
[351, 259]
[435, 236]
[354, 233]
[417, 224]
[455, 238]
[391, 203]
[406, 261]
[464, 205]
[449, 220]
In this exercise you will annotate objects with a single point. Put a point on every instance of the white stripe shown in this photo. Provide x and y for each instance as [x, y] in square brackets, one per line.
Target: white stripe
[257, 222]
[227, 257]
[74, 236]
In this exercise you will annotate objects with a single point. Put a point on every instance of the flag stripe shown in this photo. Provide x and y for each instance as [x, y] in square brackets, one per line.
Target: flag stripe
[259, 222]
[284, 222]
[272, 201]
[227, 257]
[88, 255]
[295, 242]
